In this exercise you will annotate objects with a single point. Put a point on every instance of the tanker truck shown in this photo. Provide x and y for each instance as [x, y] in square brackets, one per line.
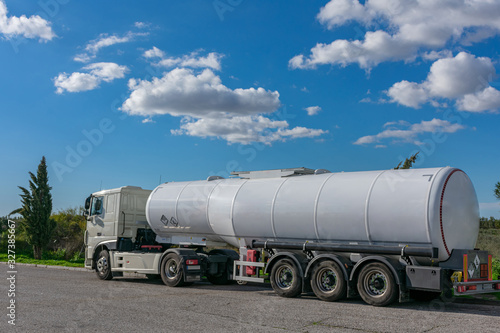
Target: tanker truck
[382, 235]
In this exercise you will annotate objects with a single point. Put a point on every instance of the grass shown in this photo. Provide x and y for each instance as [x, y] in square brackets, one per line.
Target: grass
[489, 240]
[48, 259]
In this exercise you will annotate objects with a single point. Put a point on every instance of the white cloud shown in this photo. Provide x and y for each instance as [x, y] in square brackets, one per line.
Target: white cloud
[212, 60]
[141, 25]
[154, 53]
[313, 110]
[192, 60]
[454, 77]
[245, 129]
[107, 71]
[83, 57]
[98, 72]
[485, 100]
[435, 55]
[377, 47]
[463, 78]
[405, 132]
[105, 40]
[75, 82]
[299, 132]
[410, 94]
[404, 28]
[181, 92]
[210, 109]
[32, 27]
[339, 12]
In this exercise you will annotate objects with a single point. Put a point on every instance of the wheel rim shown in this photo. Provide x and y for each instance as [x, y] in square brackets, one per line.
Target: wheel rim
[326, 280]
[102, 265]
[171, 268]
[375, 283]
[284, 277]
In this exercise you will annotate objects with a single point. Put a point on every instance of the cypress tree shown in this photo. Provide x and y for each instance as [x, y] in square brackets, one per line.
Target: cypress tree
[36, 209]
[408, 162]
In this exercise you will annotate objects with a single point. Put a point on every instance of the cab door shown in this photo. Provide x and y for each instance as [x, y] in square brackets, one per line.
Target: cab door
[95, 226]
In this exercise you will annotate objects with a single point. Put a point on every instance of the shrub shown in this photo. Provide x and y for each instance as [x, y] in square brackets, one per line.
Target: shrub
[68, 237]
[496, 269]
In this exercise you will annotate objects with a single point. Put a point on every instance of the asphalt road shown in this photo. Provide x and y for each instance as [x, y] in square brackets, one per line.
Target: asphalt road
[53, 300]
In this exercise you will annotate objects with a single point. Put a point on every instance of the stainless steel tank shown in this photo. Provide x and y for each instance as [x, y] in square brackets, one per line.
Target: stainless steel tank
[436, 207]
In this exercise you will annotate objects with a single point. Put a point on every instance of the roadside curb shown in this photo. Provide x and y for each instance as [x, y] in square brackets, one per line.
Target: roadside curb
[67, 268]
[80, 269]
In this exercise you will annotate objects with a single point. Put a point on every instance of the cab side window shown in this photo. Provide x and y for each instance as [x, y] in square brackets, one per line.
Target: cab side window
[97, 204]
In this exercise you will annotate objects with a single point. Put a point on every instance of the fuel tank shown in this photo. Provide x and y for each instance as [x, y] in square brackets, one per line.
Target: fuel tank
[433, 207]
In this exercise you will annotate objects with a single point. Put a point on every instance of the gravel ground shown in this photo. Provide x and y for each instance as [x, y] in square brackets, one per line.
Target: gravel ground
[75, 300]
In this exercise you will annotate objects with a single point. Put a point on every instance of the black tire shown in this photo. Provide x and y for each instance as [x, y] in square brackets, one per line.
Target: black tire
[328, 282]
[424, 296]
[376, 285]
[171, 271]
[285, 279]
[153, 276]
[102, 266]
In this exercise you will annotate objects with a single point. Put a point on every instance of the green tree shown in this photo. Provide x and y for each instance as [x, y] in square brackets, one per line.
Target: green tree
[497, 190]
[3, 230]
[408, 163]
[36, 209]
[3, 224]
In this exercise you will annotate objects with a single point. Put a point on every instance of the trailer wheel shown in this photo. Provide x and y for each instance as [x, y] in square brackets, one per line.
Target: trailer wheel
[376, 285]
[171, 271]
[285, 279]
[102, 266]
[327, 281]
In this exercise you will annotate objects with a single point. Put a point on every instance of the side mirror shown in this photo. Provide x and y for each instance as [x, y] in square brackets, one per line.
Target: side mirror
[87, 203]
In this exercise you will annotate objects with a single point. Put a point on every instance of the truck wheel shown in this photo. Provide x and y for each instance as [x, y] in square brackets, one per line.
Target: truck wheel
[102, 266]
[376, 285]
[171, 271]
[327, 281]
[285, 279]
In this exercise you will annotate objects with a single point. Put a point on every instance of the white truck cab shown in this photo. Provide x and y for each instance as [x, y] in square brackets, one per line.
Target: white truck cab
[114, 218]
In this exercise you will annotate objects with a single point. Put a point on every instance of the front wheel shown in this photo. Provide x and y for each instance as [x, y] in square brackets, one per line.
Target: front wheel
[171, 271]
[376, 285]
[328, 282]
[285, 278]
[103, 267]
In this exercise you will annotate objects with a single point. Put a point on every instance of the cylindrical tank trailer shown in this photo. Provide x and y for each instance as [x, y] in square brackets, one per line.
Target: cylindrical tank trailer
[435, 207]
[382, 235]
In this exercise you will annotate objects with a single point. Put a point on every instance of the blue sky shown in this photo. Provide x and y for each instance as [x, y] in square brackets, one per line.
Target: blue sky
[121, 93]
